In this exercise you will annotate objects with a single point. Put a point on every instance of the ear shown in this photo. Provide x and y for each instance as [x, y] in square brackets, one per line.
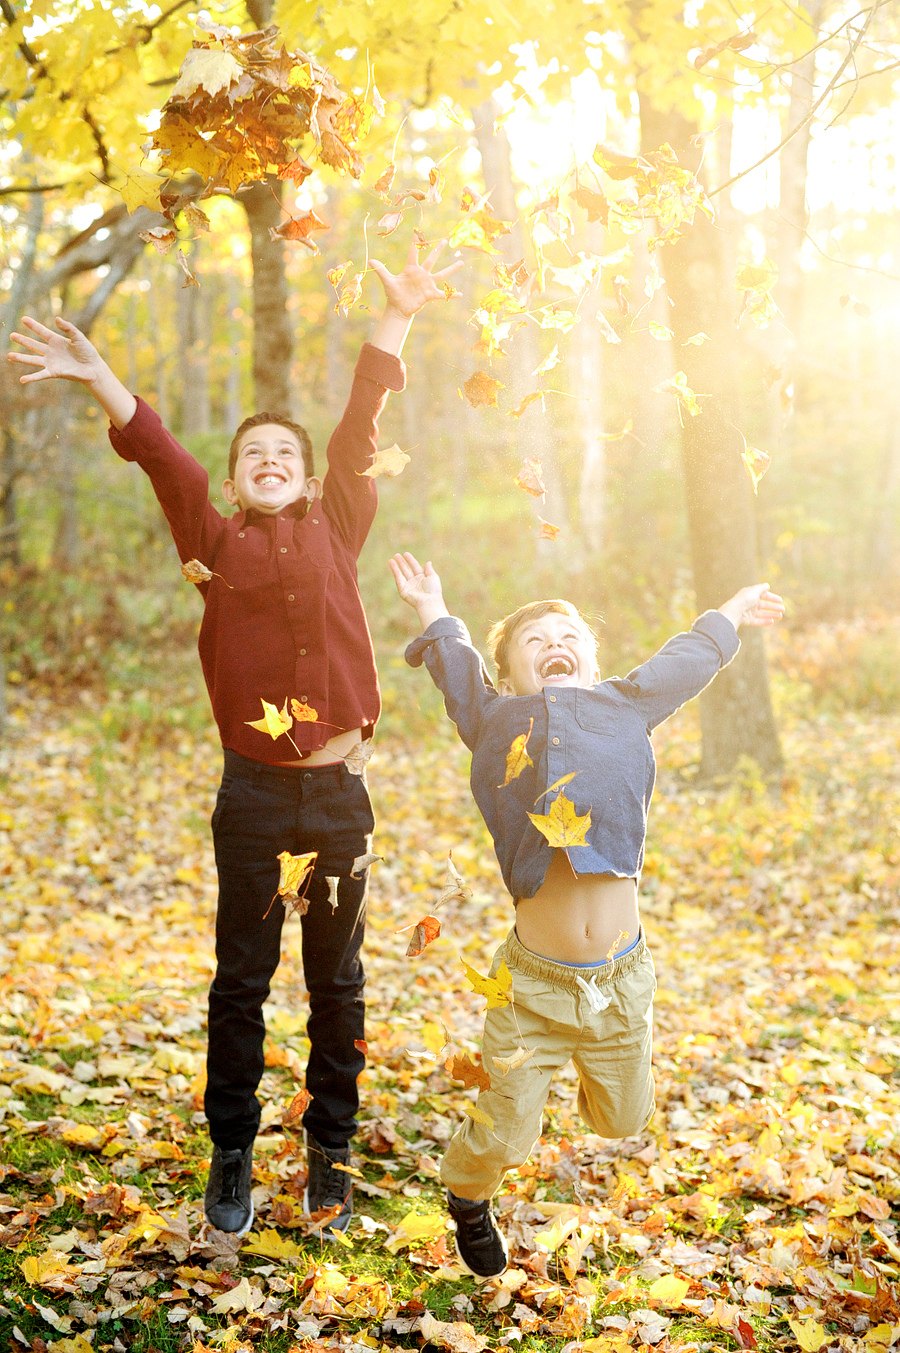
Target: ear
[505, 687]
[313, 488]
[229, 492]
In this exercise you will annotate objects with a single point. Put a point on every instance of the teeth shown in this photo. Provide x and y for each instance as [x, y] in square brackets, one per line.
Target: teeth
[558, 666]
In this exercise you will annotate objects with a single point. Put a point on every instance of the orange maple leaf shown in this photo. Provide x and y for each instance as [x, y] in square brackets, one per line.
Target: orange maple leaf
[481, 389]
[460, 1067]
[530, 478]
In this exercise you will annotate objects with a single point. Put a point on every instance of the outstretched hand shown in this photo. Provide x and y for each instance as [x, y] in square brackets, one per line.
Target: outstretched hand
[67, 355]
[755, 605]
[407, 291]
[420, 587]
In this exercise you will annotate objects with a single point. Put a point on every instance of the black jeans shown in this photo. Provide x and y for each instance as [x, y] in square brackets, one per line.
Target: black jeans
[262, 810]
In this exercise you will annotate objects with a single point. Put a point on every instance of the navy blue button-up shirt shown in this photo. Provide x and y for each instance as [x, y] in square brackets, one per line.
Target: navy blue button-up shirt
[602, 732]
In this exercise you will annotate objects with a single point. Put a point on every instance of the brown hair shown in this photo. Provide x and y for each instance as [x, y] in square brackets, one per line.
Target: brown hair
[257, 420]
[500, 635]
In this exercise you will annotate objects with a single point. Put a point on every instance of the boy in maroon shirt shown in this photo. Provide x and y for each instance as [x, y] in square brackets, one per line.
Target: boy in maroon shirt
[283, 623]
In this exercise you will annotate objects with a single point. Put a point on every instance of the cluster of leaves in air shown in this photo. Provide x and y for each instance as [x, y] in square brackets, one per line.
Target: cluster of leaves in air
[241, 109]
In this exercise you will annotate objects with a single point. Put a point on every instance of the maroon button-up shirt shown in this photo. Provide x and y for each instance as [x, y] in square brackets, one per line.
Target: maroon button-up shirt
[291, 623]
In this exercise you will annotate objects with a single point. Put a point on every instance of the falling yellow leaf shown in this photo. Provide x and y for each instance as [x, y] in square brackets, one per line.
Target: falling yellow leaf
[294, 871]
[553, 1237]
[548, 531]
[660, 331]
[390, 462]
[562, 826]
[677, 385]
[756, 463]
[304, 713]
[496, 989]
[506, 1064]
[696, 340]
[189, 278]
[530, 478]
[461, 1068]
[517, 757]
[275, 722]
[529, 399]
[558, 784]
[433, 1036]
[481, 390]
[478, 1115]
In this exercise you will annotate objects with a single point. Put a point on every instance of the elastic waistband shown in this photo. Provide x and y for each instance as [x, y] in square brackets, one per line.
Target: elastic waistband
[559, 975]
[245, 769]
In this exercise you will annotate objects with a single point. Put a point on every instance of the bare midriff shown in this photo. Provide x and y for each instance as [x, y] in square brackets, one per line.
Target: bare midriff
[578, 918]
[335, 749]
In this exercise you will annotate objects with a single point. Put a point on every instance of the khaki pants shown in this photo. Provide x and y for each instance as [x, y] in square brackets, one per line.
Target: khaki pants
[552, 1014]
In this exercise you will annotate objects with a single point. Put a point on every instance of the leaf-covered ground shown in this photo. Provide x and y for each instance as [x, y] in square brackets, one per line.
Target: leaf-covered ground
[759, 1209]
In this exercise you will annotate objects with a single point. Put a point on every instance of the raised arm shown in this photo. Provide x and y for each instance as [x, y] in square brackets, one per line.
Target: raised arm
[688, 662]
[68, 355]
[453, 662]
[406, 293]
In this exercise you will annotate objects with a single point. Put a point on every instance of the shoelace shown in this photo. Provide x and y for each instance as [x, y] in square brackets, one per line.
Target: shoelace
[478, 1228]
[231, 1177]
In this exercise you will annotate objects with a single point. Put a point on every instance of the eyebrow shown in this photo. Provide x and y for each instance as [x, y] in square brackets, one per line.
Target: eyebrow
[292, 446]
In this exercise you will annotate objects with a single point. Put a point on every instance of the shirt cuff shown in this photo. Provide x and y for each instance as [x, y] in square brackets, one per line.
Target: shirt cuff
[445, 627]
[141, 430]
[717, 627]
[381, 367]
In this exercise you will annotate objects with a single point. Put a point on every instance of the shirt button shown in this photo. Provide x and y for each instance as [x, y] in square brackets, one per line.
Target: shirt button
[315, 521]
[291, 597]
[552, 699]
[241, 535]
[556, 742]
[304, 699]
[303, 655]
[283, 549]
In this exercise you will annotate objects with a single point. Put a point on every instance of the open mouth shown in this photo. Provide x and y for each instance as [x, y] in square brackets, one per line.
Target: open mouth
[265, 481]
[557, 666]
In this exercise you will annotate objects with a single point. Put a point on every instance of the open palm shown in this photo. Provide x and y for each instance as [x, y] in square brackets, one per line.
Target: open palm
[66, 355]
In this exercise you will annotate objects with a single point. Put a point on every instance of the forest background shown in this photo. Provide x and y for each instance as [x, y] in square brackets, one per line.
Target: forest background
[781, 317]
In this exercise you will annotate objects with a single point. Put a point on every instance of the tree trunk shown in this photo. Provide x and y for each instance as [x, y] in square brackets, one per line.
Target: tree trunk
[735, 712]
[272, 341]
[11, 460]
[533, 436]
[194, 345]
[793, 214]
[592, 486]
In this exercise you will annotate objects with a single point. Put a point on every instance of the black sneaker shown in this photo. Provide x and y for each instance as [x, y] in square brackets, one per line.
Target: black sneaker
[479, 1244]
[227, 1203]
[327, 1187]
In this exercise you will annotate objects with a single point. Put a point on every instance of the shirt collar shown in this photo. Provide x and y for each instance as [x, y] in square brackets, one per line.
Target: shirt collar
[253, 517]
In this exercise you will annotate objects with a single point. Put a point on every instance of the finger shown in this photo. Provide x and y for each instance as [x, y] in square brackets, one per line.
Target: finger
[37, 328]
[430, 259]
[450, 269]
[412, 254]
[381, 270]
[24, 357]
[31, 343]
[67, 327]
[413, 562]
[402, 568]
[41, 375]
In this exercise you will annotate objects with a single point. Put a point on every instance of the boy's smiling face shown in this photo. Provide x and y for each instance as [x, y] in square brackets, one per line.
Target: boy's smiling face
[553, 650]
[269, 472]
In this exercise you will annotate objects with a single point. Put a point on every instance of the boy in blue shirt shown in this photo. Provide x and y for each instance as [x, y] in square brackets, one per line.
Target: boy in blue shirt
[582, 975]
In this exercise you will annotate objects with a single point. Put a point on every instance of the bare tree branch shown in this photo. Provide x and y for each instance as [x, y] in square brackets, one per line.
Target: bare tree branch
[841, 262]
[31, 188]
[870, 14]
